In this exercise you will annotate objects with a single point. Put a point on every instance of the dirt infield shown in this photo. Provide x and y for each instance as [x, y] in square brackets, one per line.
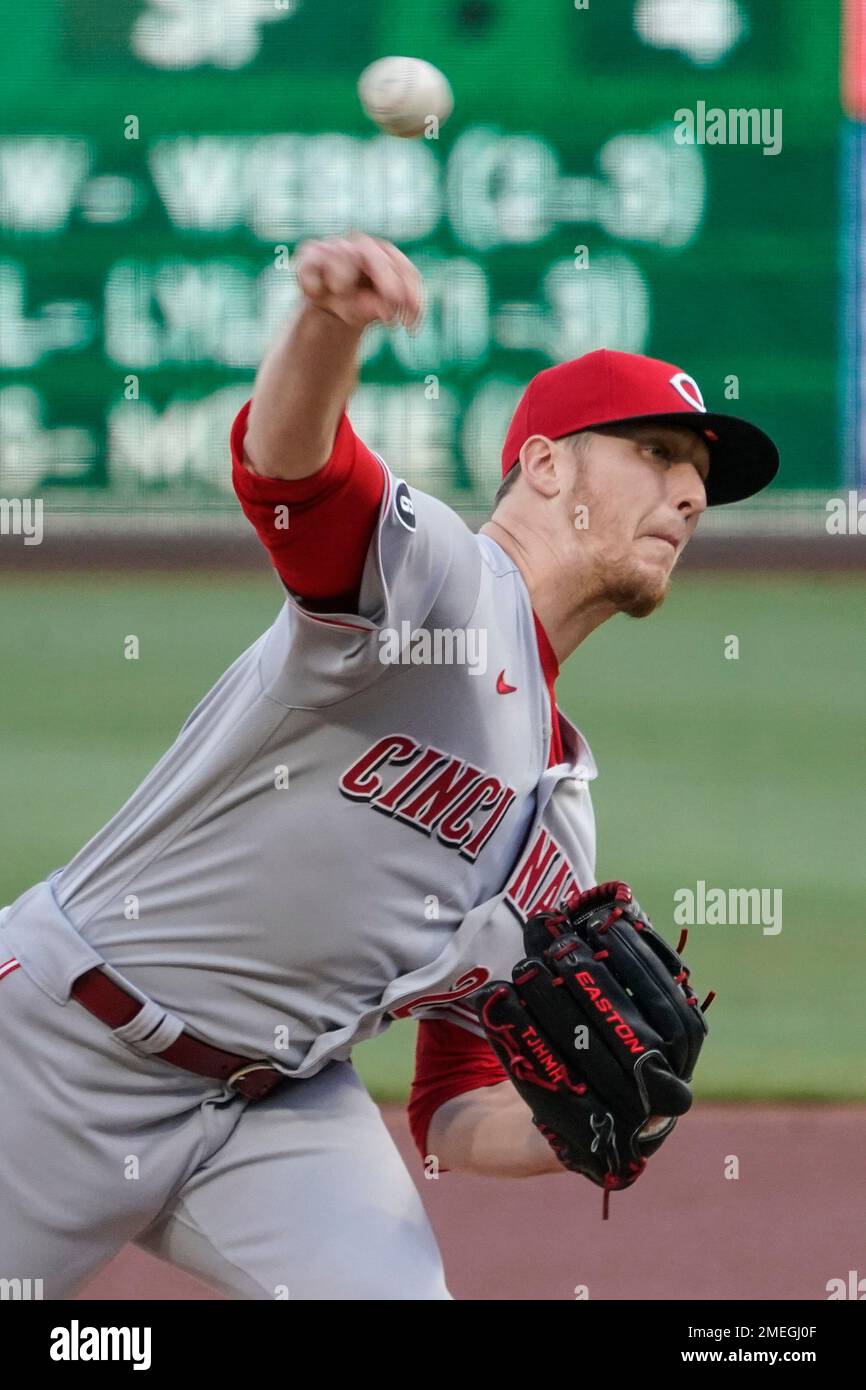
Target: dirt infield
[793, 1219]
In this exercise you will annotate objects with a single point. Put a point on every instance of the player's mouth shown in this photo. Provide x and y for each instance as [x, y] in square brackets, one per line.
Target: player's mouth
[668, 536]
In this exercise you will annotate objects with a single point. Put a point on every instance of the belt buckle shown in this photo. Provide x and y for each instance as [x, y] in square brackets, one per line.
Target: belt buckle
[255, 1090]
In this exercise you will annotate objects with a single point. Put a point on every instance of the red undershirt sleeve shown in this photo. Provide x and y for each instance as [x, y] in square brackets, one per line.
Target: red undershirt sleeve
[317, 530]
[448, 1061]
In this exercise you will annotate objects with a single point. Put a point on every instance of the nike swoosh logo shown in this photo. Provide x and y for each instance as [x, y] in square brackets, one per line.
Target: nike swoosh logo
[502, 686]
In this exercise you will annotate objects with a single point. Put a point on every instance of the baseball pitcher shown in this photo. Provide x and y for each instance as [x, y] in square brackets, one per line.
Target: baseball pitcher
[378, 812]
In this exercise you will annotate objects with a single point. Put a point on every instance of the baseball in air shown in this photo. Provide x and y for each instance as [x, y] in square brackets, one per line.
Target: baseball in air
[406, 96]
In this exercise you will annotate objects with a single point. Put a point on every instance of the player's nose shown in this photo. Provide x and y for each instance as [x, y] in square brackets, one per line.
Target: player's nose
[686, 490]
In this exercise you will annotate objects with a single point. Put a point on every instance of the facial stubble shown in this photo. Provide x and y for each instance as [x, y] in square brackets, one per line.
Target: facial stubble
[630, 586]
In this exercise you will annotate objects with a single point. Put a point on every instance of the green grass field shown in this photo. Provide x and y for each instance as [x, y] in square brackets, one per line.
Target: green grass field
[744, 773]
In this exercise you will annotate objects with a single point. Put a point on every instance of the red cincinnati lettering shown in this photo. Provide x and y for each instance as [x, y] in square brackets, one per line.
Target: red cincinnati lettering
[483, 833]
[533, 869]
[359, 782]
[432, 801]
[551, 895]
[407, 783]
[457, 827]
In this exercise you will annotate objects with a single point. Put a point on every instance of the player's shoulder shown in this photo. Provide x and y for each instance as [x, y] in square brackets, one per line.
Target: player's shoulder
[422, 525]
[418, 512]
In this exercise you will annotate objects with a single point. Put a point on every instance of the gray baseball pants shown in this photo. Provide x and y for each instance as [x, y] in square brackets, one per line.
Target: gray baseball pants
[300, 1196]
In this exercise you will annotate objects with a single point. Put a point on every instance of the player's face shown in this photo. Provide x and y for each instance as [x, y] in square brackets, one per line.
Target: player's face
[643, 489]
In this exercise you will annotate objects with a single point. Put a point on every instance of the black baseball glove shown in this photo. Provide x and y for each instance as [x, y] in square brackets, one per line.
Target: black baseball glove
[599, 1031]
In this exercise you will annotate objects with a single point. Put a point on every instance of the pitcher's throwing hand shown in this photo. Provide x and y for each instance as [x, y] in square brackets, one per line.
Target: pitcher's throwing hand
[360, 280]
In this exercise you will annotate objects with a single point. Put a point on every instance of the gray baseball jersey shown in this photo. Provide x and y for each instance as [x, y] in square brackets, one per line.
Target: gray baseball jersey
[351, 825]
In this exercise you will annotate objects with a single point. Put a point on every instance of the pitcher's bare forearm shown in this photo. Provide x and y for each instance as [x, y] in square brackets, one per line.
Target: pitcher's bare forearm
[490, 1132]
[300, 394]
[307, 377]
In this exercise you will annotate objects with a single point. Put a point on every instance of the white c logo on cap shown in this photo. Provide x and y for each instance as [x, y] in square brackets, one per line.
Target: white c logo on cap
[685, 384]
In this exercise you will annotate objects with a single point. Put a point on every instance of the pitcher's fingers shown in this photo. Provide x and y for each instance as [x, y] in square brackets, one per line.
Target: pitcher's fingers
[310, 260]
[370, 255]
[339, 267]
[410, 279]
[327, 266]
[373, 307]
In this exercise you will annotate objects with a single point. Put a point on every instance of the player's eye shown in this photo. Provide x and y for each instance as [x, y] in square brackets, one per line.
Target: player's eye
[653, 447]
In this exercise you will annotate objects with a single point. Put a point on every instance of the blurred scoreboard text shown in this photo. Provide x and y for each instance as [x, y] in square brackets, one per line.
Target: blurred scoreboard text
[161, 159]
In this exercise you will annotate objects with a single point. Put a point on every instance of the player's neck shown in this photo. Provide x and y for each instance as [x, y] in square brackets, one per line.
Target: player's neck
[567, 615]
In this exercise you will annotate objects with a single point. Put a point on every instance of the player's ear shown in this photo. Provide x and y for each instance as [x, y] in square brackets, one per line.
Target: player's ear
[538, 461]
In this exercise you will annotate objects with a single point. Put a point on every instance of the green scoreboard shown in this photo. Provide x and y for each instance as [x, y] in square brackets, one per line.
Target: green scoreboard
[161, 159]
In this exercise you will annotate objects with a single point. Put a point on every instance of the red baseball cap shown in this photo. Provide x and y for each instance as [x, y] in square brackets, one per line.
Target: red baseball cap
[624, 388]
